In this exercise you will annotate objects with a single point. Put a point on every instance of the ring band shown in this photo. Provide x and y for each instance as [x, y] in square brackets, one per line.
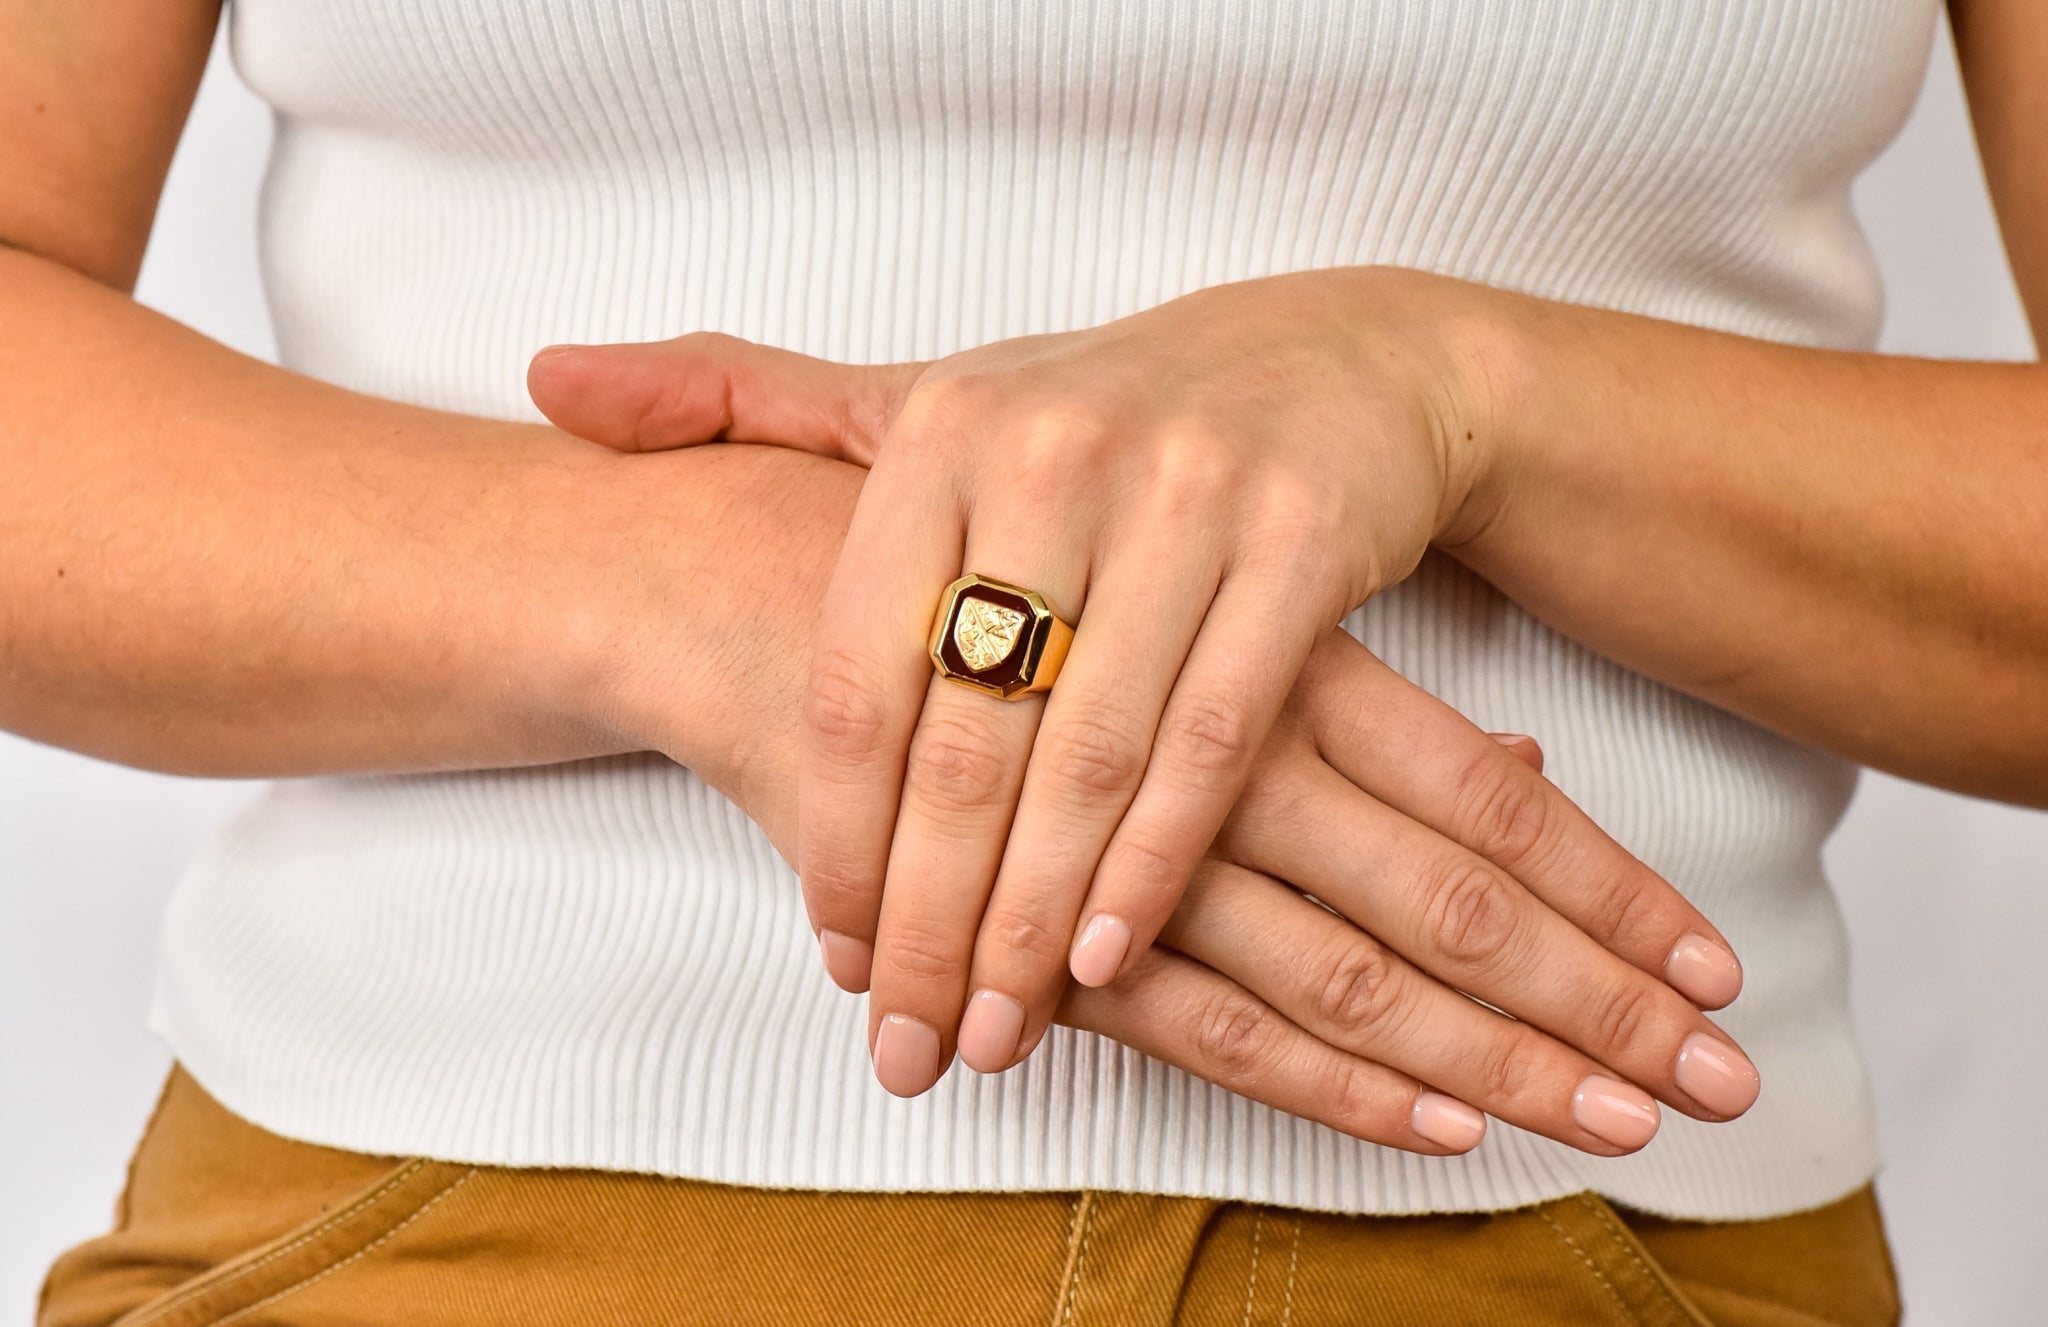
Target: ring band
[998, 637]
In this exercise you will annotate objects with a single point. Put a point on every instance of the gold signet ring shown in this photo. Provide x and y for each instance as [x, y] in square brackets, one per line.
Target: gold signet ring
[999, 638]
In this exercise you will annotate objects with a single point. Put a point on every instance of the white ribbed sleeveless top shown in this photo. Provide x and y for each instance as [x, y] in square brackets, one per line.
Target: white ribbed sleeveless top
[605, 964]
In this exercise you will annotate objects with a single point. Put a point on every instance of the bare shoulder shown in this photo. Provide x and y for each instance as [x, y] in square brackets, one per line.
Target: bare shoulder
[93, 97]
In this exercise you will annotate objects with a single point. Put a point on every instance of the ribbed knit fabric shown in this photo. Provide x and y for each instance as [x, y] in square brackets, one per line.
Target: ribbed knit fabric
[605, 964]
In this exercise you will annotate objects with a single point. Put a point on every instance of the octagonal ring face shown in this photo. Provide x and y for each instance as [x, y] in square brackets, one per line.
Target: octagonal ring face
[990, 635]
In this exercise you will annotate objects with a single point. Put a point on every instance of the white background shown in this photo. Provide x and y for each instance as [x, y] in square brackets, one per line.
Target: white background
[1947, 898]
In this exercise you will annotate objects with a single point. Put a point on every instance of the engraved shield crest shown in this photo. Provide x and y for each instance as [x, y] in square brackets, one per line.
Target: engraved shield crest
[986, 633]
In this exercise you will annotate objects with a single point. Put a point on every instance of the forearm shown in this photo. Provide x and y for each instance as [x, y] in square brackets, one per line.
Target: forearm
[1847, 548]
[211, 565]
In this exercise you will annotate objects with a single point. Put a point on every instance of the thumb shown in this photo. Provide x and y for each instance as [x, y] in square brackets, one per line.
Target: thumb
[707, 387]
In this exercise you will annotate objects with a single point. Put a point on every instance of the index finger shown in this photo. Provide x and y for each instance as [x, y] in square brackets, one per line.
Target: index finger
[1418, 755]
[868, 682]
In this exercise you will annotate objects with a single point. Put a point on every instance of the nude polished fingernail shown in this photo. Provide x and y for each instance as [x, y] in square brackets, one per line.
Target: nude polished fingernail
[1523, 746]
[1703, 971]
[849, 962]
[1100, 950]
[906, 1054]
[1623, 1115]
[990, 1031]
[1447, 1122]
[1716, 1075]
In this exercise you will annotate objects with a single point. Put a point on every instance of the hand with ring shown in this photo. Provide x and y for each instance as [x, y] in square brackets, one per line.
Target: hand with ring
[1184, 502]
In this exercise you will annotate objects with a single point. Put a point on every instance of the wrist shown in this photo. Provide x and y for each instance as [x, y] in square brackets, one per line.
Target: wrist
[548, 600]
[686, 625]
[1476, 359]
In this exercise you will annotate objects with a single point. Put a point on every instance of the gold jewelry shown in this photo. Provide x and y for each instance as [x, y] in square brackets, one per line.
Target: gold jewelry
[999, 638]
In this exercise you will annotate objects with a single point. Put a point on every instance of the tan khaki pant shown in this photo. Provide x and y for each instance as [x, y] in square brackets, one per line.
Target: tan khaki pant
[223, 1222]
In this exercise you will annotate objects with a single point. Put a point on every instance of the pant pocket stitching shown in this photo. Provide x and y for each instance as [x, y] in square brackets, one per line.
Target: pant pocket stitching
[1251, 1284]
[1079, 1232]
[1622, 1236]
[1293, 1261]
[357, 1256]
[1591, 1265]
[207, 1284]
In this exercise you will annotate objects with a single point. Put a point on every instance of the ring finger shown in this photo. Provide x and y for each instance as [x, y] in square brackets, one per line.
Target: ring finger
[1145, 606]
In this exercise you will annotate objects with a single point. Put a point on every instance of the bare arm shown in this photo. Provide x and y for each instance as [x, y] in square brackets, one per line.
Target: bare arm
[211, 565]
[1842, 547]
[1845, 547]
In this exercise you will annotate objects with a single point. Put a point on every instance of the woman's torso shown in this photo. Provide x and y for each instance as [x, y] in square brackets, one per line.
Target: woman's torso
[605, 964]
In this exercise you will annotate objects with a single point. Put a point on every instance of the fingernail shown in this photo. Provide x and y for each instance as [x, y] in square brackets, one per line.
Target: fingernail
[1611, 1109]
[1100, 950]
[848, 961]
[906, 1054]
[1447, 1122]
[990, 1030]
[1524, 747]
[1703, 971]
[1716, 1075]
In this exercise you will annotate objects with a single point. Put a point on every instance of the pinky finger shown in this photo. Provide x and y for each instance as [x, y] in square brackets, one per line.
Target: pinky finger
[1174, 1009]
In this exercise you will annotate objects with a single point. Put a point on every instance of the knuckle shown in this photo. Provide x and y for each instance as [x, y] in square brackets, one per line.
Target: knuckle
[1050, 445]
[1190, 475]
[1356, 1092]
[1292, 513]
[1094, 753]
[1207, 735]
[1469, 913]
[1058, 428]
[1631, 906]
[1502, 1070]
[709, 343]
[930, 411]
[1234, 1037]
[1359, 991]
[835, 893]
[1502, 814]
[956, 764]
[1625, 1019]
[843, 708]
[1015, 934]
[1141, 869]
[922, 953]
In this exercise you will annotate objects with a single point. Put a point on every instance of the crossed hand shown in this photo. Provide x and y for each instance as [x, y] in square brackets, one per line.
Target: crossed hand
[1228, 835]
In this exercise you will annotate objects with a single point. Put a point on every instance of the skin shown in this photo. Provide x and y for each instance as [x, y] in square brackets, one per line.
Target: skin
[1218, 478]
[1774, 561]
[211, 565]
[1497, 885]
